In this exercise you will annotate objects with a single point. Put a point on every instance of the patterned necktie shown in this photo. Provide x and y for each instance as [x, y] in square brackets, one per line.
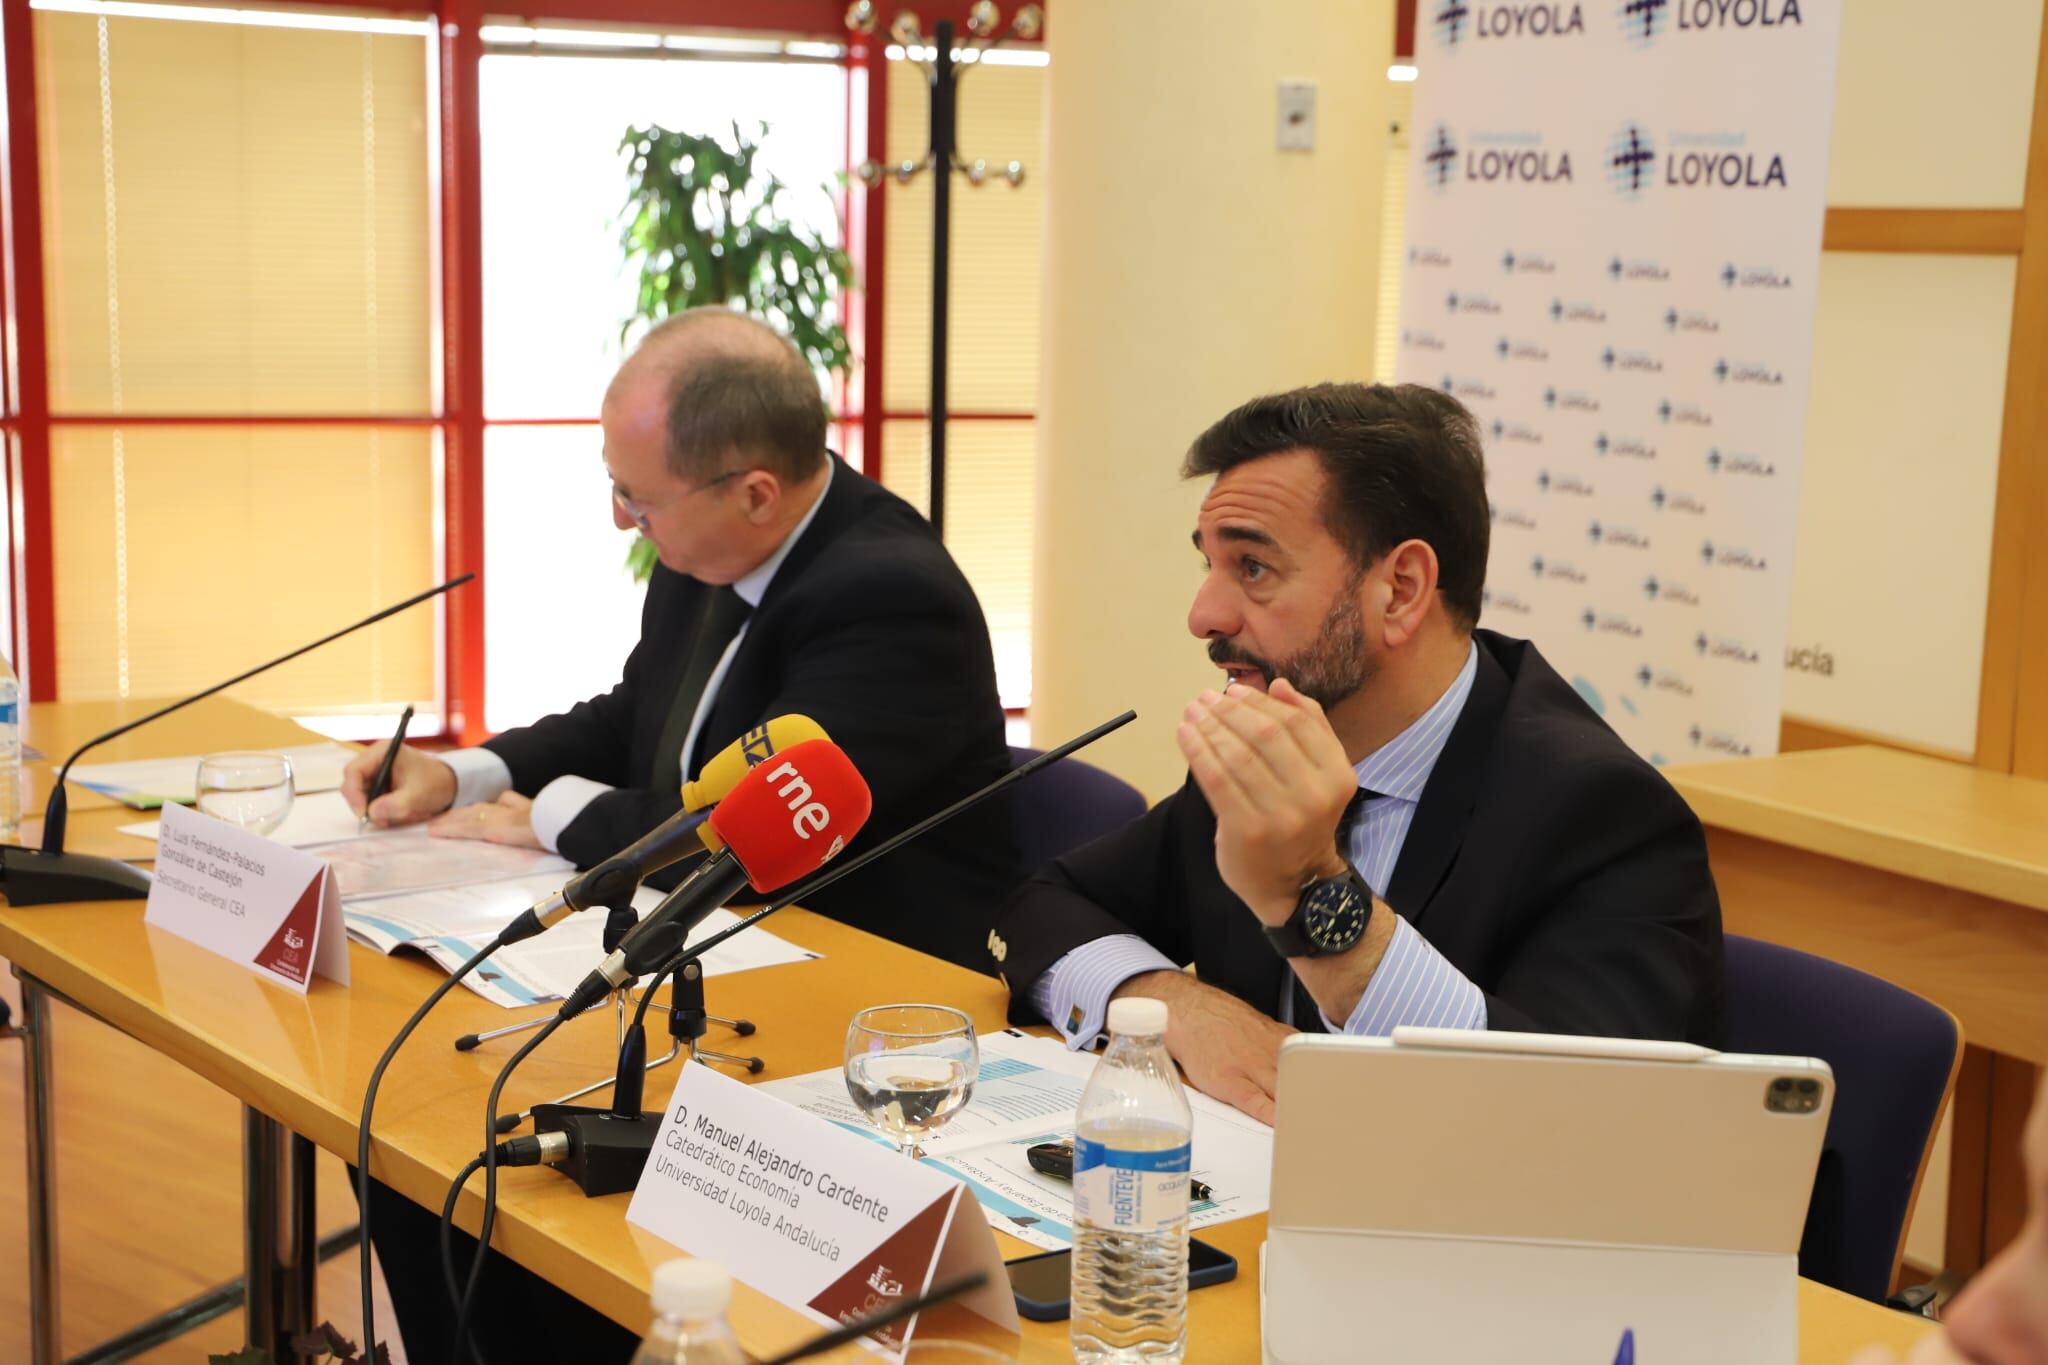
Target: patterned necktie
[725, 611]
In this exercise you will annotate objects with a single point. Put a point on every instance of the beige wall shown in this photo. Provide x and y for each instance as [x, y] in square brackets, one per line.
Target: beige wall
[1892, 565]
[1189, 266]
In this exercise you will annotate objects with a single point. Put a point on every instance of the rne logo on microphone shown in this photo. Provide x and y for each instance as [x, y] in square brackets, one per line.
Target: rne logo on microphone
[806, 816]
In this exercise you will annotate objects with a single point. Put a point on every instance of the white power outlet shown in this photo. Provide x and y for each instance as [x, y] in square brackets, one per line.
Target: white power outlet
[1297, 126]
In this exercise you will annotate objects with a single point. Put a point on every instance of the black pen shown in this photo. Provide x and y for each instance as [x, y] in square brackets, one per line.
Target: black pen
[1056, 1159]
[382, 783]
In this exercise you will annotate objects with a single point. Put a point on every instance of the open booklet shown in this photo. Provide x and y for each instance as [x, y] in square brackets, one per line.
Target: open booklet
[450, 923]
[404, 888]
[148, 783]
[1026, 1093]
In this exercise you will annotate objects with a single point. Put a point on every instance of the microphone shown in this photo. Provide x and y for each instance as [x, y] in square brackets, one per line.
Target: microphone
[50, 876]
[783, 820]
[815, 884]
[687, 832]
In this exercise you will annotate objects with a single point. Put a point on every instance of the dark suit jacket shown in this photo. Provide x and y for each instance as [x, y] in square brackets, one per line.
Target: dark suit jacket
[1553, 867]
[868, 628]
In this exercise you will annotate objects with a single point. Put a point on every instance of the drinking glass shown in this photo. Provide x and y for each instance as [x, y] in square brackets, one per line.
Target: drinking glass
[910, 1068]
[248, 789]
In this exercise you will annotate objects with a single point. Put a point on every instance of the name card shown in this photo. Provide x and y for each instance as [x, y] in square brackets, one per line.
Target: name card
[268, 907]
[815, 1217]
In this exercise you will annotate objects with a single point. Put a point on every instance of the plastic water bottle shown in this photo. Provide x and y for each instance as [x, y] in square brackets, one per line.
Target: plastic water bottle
[1130, 1277]
[10, 753]
[690, 1299]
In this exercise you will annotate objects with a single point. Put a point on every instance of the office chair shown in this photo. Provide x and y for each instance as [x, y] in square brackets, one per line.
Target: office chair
[1894, 1056]
[1065, 806]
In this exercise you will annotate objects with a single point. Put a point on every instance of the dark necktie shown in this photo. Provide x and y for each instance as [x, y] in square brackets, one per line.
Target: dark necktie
[725, 611]
[1307, 1016]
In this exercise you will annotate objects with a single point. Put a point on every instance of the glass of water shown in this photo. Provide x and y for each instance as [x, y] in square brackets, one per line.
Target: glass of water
[910, 1068]
[247, 789]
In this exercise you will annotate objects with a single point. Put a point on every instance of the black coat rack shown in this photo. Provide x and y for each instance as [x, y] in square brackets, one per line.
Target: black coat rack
[944, 64]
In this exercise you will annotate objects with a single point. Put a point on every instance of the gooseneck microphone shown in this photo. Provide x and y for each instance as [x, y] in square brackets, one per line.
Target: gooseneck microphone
[50, 876]
[782, 820]
[824, 879]
[687, 832]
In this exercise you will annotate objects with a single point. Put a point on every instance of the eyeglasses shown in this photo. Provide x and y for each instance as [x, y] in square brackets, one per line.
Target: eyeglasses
[640, 512]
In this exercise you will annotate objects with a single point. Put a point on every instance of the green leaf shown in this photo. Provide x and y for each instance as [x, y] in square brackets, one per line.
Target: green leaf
[699, 226]
[641, 557]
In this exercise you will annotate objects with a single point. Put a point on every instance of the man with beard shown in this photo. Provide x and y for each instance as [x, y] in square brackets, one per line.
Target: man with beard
[1391, 817]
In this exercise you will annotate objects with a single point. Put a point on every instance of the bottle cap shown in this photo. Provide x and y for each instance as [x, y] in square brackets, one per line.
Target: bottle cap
[1137, 1014]
[691, 1289]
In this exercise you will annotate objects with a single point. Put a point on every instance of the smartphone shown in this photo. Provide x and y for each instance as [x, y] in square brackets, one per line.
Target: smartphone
[1041, 1282]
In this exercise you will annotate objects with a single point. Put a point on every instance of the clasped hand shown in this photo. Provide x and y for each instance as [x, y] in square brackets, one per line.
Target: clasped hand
[1276, 775]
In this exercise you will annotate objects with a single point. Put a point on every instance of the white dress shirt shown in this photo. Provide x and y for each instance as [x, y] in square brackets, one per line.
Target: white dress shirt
[481, 775]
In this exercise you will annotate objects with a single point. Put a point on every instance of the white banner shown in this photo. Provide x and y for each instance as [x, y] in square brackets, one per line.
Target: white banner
[1614, 229]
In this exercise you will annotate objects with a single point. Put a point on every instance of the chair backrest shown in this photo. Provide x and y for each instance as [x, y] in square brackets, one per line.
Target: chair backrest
[1894, 1056]
[1066, 805]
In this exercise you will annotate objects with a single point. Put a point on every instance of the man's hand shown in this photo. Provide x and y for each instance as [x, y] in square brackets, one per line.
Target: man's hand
[1276, 776]
[1230, 1051]
[507, 820]
[421, 786]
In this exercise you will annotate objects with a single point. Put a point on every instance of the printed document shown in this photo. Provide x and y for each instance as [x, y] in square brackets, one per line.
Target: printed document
[1026, 1093]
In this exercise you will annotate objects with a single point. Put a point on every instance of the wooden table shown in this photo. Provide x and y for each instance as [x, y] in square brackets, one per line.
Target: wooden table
[1931, 874]
[304, 1061]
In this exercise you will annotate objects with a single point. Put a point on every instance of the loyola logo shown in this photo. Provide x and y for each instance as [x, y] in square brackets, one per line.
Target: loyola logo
[1440, 158]
[1644, 21]
[1541, 20]
[1631, 157]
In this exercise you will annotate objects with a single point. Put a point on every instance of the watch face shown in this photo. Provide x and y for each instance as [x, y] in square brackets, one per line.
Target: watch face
[1334, 914]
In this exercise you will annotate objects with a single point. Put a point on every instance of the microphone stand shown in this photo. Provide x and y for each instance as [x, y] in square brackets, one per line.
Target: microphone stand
[50, 876]
[605, 1149]
[614, 932]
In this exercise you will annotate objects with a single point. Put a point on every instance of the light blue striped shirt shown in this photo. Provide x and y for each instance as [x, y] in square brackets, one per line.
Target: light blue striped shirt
[1414, 983]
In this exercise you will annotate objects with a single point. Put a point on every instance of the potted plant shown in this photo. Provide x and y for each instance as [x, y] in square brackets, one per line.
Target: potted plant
[702, 225]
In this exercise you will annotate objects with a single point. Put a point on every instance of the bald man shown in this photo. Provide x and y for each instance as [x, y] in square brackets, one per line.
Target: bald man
[787, 583]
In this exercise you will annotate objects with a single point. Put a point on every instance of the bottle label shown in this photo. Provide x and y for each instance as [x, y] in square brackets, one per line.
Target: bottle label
[1128, 1191]
[10, 712]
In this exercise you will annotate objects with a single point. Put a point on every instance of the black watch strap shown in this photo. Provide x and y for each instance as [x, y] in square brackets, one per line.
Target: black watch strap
[1287, 939]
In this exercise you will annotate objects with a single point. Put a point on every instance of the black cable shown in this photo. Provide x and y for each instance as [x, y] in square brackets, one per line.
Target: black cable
[363, 1133]
[654, 984]
[448, 1272]
[490, 1154]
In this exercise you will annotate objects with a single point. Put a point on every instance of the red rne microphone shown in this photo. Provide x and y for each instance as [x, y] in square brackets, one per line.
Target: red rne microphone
[784, 820]
[791, 815]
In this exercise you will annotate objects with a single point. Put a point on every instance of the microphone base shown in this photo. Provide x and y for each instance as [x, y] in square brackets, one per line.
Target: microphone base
[29, 876]
[606, 1151]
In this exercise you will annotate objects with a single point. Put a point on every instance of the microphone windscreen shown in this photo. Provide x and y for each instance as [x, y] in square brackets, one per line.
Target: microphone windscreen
[789, 816]
[723, 771]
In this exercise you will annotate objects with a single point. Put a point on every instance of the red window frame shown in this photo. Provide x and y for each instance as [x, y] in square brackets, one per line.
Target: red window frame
[27, 422]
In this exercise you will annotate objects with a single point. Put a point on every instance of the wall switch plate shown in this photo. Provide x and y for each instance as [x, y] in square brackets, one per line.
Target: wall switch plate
[1297, 128]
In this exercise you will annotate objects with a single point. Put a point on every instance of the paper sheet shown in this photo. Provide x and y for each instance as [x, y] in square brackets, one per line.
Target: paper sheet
[147, 783]
[401, 861]
[1027, 1093]
[321, 818]
[450, 924]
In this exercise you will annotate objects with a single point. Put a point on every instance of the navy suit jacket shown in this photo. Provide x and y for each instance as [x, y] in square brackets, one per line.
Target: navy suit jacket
[870, 629]
[1553, 867]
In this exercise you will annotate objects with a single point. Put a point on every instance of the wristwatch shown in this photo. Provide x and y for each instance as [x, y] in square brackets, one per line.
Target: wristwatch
[1329, 918]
